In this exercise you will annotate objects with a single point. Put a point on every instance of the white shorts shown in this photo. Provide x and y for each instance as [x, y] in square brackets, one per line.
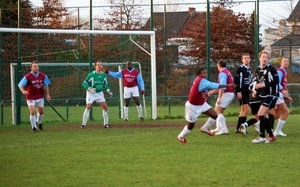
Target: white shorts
[192, 112]
[280, 99]
[37, 102]
[226, 99]
[131, 92]
[97, 97]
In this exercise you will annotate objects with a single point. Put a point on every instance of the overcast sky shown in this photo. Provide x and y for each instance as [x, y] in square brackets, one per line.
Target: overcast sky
[271, 11]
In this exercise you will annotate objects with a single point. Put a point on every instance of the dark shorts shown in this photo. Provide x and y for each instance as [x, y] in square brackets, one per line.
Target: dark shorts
[255, 107]
[245, 98]
[269, 101]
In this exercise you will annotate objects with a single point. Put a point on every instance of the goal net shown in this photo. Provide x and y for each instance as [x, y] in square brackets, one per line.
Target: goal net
[67, 56]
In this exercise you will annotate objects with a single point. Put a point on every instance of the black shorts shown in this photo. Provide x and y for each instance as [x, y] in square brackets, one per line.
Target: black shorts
[255, 107]
[269, 101]
[245, 98]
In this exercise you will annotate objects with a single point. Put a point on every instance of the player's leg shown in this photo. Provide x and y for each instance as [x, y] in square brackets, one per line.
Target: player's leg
[102, 102]
[136, 98]
[225, 102]
[90, 98]
[192, 112]
[127, 96]
[212, 115]
[32, 118]
[244, 103]
[40, 114]
[220, 121]
[284, 113]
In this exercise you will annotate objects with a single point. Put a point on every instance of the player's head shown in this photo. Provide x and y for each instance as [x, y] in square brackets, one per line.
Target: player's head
[284, 62]
[245, 59]
[129, 65]
[201, 72]
[34, 66]
[98, 66]
[221, 64]
[263, 58]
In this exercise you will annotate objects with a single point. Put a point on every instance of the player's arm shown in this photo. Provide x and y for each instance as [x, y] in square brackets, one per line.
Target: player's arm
[116, 75]
[22, 84]
[87, 84]
[46, 87]
[107, 87]
[238, 79]
[140, 82]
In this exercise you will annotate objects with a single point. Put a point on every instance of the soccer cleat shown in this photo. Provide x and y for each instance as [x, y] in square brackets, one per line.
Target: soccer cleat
[41, 127]
[208, 132]
[82, 126]
[125, 119]
[142, 119]
[222, 132]
[215, 130]
[33, 129]
[107, 126]
[279, 133]
[181, 140]
[238, 131]
[259, 140]
[270, 139]
[243, 130]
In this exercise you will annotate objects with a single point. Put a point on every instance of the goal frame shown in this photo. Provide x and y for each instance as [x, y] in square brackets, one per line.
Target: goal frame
[152, 54]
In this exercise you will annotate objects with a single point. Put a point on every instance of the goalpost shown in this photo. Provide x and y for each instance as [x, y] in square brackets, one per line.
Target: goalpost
[141, 52]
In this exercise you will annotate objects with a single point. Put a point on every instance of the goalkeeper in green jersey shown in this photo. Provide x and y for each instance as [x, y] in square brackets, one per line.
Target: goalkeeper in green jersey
[95, 83]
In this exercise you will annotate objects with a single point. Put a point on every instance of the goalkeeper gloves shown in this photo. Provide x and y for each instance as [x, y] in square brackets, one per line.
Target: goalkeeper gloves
[110, 93]
[92, 90]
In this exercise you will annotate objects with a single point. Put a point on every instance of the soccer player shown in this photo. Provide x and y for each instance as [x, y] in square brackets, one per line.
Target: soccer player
[196, 104]
[281, 110]
[35, 85]
[95, 83]
[225, 97]
[132, 81]
[242, 80]
[268, 84]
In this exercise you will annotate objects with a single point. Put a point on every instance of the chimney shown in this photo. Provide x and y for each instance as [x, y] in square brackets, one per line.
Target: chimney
[192, 11]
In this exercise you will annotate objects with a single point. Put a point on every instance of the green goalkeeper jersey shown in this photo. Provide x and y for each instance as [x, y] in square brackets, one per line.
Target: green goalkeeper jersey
[96, 80]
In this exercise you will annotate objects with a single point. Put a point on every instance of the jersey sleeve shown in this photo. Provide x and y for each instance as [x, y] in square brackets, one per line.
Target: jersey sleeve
[23, 82]
[207, 85]
[86, 83]
[47, 81]
[116, 75]
[238, 80]
[106, 84]
[222, 79]
[140, 81]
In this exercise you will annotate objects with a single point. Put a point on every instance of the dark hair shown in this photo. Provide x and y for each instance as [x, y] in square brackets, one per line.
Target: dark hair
[97, 61]
[199, 71]
[222, 63]
[245, 54]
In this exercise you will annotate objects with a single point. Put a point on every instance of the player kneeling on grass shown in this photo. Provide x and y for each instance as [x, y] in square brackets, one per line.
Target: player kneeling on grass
[95, 83]
[196, 104]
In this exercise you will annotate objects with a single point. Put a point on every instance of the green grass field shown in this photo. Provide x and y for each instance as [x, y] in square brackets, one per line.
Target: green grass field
[65, 155]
